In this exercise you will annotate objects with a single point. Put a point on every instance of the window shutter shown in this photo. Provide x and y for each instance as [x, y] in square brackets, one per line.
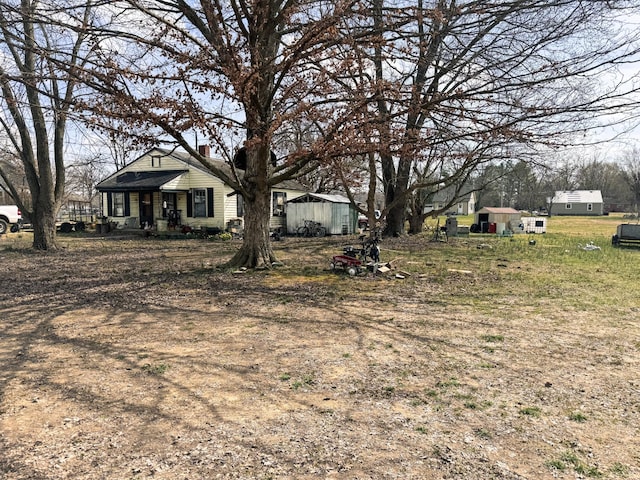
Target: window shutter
[127, 205]
[109, 204]
[189, 203]
[209, 202]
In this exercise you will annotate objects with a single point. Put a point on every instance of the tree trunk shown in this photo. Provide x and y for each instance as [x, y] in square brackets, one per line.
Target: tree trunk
[256, 248]
[44, 229]
[416, 223]
[395, 221]
[396, 181]
[256, 251]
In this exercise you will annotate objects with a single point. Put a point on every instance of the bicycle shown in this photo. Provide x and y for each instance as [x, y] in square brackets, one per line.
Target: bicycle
[311, 229]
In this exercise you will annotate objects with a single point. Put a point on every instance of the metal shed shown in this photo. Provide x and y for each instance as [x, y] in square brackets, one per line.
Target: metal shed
[334, 212]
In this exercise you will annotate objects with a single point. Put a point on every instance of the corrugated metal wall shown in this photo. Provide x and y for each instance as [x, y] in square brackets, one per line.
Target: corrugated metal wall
[337, 218]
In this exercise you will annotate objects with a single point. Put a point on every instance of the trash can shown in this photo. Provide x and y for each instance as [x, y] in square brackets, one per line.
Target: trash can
[452, 226]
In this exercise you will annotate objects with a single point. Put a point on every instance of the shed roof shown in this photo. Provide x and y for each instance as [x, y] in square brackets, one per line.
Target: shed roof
[502, 210]
[577, 196]
[320, 197]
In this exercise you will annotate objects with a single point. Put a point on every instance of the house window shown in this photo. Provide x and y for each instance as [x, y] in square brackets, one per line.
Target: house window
[199, 202]
[117, 199]
[279, 199]
[239, 205]
[155, 161]
[568, 206]
[589, 207]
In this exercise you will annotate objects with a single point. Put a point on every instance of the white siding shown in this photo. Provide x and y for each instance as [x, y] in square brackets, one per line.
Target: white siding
[196, 178]
[143, 164]
[230, 205]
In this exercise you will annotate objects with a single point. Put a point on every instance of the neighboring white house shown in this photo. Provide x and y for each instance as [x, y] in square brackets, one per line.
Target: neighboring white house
[465, 204]
[577, 202]
[163, 189]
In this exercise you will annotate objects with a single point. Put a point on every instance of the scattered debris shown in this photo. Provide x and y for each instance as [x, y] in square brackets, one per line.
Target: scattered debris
[455, 270]
[484, 245]
[589, 247]
[391, 263]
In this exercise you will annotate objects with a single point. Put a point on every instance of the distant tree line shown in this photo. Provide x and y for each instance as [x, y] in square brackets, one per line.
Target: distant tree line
[528, 186]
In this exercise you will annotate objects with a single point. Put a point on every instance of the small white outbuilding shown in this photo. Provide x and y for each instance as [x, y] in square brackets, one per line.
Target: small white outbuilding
[496, 220]
[534, 224]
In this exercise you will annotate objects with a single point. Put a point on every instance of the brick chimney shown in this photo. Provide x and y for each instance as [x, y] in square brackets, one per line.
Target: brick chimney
[204, 150]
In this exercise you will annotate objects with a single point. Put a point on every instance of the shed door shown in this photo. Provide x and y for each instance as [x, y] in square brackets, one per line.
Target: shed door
[483, 221]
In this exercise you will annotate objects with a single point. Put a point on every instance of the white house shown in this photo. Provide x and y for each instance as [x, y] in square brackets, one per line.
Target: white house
[464, 204]
[170, 189]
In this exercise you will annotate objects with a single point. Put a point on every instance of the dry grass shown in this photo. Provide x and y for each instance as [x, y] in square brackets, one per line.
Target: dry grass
[140, 359]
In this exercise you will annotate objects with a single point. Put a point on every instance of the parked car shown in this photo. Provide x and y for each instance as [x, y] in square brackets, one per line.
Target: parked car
[363, 221]
[10, 218]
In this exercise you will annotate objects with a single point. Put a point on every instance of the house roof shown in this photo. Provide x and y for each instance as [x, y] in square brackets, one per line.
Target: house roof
[191, 161]
[499, 210]
[320, 197]
[138, 181]
[577, 196]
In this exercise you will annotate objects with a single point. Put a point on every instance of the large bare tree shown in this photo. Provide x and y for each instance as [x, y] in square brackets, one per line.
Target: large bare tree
[233, 73]
[40, 42]
[488, 77]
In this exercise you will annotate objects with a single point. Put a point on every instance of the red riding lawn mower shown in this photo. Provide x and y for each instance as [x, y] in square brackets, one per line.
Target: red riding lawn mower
[354, 260]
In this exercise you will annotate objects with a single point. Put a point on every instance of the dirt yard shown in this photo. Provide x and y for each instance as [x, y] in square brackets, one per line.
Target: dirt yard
[139, 359]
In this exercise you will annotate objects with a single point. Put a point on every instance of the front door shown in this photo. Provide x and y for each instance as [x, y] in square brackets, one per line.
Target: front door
[146, 209]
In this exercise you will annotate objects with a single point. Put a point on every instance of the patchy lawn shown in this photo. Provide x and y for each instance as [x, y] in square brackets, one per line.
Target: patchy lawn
[139, 359]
